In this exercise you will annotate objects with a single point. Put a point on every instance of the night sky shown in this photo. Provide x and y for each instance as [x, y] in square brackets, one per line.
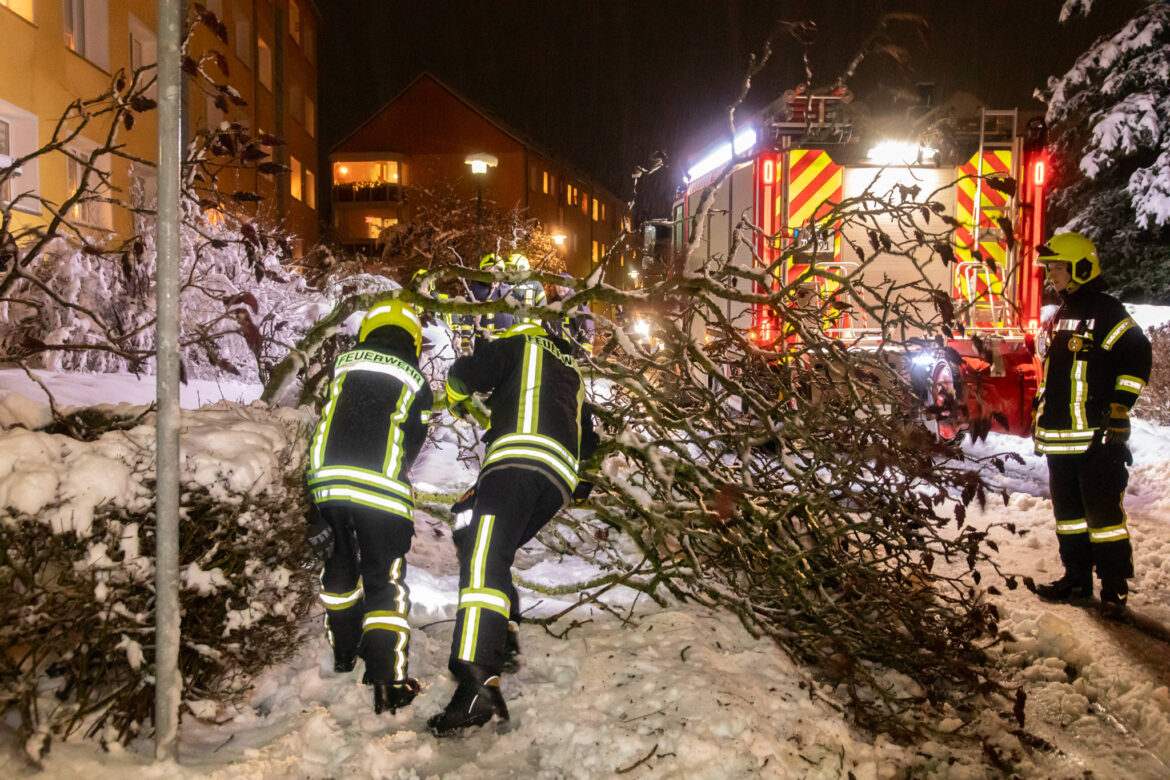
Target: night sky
[605, 83]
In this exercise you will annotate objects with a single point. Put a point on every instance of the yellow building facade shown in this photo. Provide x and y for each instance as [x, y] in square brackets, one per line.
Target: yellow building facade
[53, 52]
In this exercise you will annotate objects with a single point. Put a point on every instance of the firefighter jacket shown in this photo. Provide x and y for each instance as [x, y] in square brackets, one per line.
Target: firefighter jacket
[372, 426]
[528, 293]
[536, 404]
[1097, 355]
[489, 325]
[576, 327]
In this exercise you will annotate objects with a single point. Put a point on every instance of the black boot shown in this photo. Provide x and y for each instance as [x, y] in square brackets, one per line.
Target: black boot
[1114, 595]
[395, 695]
[512, 648]
[476, 701]
[1071, 588]
[344, 661]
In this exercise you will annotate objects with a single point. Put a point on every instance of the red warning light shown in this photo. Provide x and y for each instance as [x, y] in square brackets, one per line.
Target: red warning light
[769, 171]
[1038, 173]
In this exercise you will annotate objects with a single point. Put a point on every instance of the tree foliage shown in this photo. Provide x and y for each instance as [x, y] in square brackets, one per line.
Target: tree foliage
[1111, 150]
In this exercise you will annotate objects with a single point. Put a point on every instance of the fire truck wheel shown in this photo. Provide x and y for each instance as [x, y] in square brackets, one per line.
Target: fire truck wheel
[944, 401]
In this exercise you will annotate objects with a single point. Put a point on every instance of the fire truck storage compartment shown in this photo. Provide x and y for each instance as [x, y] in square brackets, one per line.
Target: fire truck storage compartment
[880, 183]
[733, 201]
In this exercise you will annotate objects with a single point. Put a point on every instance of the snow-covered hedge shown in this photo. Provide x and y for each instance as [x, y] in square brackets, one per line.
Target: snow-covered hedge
[76, 570]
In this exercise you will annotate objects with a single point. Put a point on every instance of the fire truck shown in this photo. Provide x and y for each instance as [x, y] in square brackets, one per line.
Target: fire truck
[801, 157]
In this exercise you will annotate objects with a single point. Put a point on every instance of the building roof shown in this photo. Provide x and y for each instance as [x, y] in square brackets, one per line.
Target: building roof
[492, 119]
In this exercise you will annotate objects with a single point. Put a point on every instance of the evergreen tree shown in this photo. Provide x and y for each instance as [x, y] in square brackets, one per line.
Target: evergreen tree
[1112, 149]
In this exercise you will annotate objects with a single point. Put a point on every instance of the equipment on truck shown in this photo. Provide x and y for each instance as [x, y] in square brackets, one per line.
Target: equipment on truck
[802, 158]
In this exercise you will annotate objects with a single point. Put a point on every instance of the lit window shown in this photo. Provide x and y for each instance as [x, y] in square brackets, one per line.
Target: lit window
[294, 177]
[88, 209]
[376, 225]
[310, 189]
[18, 136]
[596, 255]
[86, 27]
[264, 62]
[544, 185]
[22, 7]
[596, 209]
[243, 17]
[585, 203]
[367, 171]
[294, 20]
[310, 117]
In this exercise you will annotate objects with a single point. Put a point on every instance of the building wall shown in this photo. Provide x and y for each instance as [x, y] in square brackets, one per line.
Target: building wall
[52, 76]
[430, 131]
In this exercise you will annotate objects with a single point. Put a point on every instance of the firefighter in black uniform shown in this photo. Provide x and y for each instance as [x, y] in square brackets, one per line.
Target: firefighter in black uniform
[529, 292]
[539, 429]
[1097, 362]
[575, 325]
[371, 430]
[485, 327]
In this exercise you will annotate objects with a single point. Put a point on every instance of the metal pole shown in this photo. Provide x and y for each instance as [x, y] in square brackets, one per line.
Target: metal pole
[168, 686]
[479, 216]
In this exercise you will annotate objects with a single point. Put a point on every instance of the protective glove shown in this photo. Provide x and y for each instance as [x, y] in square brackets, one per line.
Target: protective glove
[1117, 430]
[319, 535]
[582, 492]
[465, 502]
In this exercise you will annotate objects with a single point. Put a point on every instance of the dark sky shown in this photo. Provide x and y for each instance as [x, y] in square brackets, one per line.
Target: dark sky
[605, 83]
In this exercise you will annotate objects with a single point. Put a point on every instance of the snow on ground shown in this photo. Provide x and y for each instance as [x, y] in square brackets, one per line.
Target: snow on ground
[680, 691]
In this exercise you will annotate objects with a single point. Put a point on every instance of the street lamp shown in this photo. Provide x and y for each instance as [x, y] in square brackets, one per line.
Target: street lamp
[558, 238]
[480, 162]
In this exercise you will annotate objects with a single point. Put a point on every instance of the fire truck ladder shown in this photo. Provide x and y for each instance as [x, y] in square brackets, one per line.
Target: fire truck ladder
[994, 133]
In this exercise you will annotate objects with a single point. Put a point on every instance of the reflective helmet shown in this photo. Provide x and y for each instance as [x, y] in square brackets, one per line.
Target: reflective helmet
[488, 261]
[394, 312]
[518, 262]
[524, 329]
[425, 283]
[1075, 249]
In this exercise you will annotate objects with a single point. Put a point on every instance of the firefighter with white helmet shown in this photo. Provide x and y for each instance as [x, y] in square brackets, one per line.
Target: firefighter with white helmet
[539, 431]
[1097, 362]
[529, 292]
[361, 522]
[484, 327]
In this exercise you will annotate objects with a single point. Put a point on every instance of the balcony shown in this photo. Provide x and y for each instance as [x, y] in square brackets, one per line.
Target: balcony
[367, 192]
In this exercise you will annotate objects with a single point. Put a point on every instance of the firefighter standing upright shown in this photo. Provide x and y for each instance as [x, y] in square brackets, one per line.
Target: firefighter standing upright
[1097, 363]
[371, 430]
[538, 432]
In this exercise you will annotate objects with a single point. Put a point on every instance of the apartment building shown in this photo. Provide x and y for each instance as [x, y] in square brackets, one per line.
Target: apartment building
[424, 136]
[56, 51]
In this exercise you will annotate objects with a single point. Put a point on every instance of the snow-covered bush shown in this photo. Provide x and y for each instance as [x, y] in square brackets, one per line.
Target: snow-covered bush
[1154, 403]
[1111, 148]
[77, 573]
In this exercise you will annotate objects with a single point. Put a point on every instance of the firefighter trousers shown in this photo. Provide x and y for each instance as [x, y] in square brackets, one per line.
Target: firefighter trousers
[511, 505]
[363, 586]
[1087, 491]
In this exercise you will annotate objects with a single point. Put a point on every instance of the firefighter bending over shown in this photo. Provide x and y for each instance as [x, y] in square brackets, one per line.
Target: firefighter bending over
[1097, 363]
[539, 430]
[361, 525]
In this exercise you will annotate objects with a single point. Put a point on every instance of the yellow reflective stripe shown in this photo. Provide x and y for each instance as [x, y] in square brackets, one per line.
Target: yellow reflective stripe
[341, 600]
[486, 598]
[1111, 534]
[358, 474]
[359, 496]
[524, 453]
[1118, 330]
[1064, 433]
[1130, 383]
[1071, 526]
[454, 396]
[394, 449]
[470, 632]
[322, 434]
[528, 414]
[1045, 448]
[1079, 391]
[536, 438]
[391, 621]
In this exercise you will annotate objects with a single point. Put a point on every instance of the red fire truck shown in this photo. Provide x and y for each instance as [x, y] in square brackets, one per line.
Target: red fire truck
[802, 157]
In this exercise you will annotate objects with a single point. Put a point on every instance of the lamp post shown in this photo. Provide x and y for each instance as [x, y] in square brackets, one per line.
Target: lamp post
[480, 162]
